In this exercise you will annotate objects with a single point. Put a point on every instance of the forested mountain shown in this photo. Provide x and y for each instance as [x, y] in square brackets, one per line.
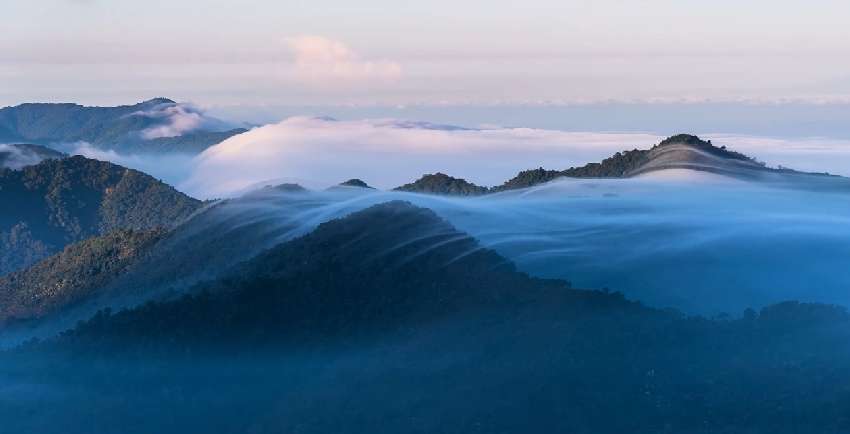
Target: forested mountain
[15, 156]
[355, 183]
[58, 202]
[142, 127]
[440, 183]
[72, 275]
[390, 316]
[345, 277]
[683, 151]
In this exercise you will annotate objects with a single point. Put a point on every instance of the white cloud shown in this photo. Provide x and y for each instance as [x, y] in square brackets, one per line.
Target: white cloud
[176, 119]
[171, 168]
[387, 153]
[319, 59]
[179, 120]
[13, 157]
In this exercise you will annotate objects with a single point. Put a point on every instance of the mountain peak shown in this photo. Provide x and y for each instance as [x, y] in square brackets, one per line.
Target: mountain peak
[680, 151]
[702, 145]
[440, 183]
[158, 100]
[355, 182]
[685, 139]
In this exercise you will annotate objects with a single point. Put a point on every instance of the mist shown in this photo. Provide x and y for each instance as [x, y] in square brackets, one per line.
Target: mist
[693, 241]
[320, 152]
[172, 168]
[14, 157]
[699, 245]
[698, 242]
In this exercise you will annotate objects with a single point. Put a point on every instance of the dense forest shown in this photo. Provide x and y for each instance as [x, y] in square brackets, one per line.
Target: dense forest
[58, 202]
[440, 183]
[72, 275]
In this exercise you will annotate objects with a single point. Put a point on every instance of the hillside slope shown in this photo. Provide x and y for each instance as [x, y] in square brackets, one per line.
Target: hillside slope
[58, 202]
[72, 275]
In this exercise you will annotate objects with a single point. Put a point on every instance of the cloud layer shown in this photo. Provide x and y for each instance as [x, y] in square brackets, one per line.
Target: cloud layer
[386, 153]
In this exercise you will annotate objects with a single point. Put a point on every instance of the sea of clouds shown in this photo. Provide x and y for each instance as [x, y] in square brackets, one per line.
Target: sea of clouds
[318, 152]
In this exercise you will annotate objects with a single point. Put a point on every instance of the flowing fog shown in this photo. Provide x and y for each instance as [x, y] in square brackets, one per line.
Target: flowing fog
[318, 152]
[702, 243]
[698, 242]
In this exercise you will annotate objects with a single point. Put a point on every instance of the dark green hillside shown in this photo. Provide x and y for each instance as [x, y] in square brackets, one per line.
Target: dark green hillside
[440, 183]
[46, 123]
[72, 275]
[58, 202]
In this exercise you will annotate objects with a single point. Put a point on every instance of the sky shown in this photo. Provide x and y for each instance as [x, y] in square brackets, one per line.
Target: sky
[400, 53]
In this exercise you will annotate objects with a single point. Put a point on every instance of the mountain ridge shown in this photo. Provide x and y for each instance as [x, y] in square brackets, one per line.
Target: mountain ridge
[682, 151]
[61, 201]
[71, 276]
[120, 128]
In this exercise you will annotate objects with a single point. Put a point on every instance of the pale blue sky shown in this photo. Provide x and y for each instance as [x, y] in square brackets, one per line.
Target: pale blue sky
[253, 52]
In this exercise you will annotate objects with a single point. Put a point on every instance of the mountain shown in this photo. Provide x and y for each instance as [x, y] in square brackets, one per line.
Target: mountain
[156, 125]
[58, 202]
[355, 183]
[440, 183]
[681, 151]
[72, 275]
[15, 156]
[217, 237]
[351, 186]
[378, 268]
[391, 320]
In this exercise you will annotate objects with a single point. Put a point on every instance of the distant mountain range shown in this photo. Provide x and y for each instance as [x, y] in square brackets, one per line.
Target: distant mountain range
[62, 201]
[683, 151]
[156, 125]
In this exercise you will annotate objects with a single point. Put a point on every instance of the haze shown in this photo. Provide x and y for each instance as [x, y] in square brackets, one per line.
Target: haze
[333, 52]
